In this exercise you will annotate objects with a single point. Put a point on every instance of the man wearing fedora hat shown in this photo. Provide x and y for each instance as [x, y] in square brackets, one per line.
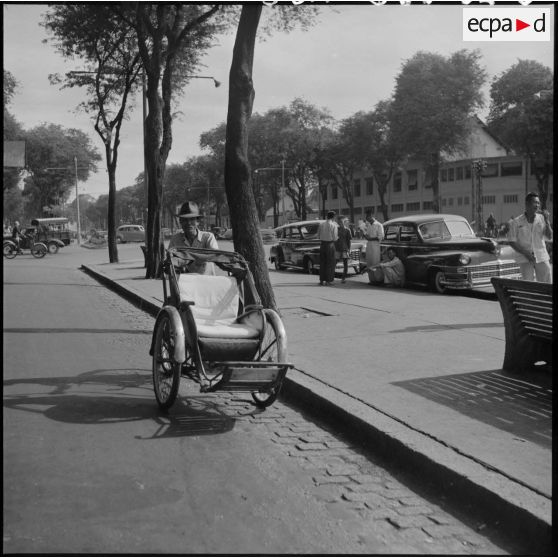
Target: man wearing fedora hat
[191, 236]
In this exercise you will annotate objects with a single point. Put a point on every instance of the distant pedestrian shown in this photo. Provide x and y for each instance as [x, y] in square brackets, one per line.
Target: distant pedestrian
[491, 226]
[343, 244]
[391, 272]
[527, 236]
[328, 235]
[374, 234]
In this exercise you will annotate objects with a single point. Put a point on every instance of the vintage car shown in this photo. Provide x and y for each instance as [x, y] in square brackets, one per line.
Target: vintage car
[130, 233]
[442, 252]
[298, 247]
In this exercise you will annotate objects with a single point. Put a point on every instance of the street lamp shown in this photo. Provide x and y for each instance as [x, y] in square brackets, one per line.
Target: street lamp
[77, 194]
[215, 82]
[479, 165]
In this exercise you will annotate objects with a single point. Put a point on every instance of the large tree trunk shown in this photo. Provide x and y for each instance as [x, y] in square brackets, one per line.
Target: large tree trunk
[240, 196]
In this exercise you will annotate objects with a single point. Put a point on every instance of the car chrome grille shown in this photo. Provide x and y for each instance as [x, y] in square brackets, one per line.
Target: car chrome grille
[355, 254]
[494, 270]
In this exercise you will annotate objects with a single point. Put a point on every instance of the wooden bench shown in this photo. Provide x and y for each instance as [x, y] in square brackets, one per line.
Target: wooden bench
[527, 310]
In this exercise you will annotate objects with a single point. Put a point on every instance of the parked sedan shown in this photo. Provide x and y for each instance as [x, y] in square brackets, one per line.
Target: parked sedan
[442, 252]
[298, 246]
[130, 233]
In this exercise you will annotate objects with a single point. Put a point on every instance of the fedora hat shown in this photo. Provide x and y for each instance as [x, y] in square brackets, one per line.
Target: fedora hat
[188, 210]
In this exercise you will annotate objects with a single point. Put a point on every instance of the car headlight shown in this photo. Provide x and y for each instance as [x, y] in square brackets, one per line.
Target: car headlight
[464, 259]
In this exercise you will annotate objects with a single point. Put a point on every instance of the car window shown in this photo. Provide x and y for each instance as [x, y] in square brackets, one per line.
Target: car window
[460, 229]
[437, 230]
[310, 232]
[390, 232]
[294, 233]
[408, 234]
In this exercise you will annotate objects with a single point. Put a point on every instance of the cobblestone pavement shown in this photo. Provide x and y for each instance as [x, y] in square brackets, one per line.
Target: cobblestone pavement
[355, 490]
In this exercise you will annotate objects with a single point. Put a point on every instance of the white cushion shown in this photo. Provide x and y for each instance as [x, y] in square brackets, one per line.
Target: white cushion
[215, 308]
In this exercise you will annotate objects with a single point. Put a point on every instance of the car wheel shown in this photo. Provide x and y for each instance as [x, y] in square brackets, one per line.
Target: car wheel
[435, 282]
[119, 240]
[308, 266]
[53, 248]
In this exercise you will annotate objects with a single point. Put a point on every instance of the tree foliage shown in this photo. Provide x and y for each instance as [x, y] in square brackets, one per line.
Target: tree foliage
[434, 98]
[50, 162]
[109, 53]
[521, 114]
[12, 131]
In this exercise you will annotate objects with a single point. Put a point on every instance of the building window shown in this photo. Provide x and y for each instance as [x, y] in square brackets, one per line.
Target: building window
[369, 209]
[459, 173]
[412, 179]
[490, 170]
[395, 207]
[427, 205]
[397, 182]
[413, 206]
[444, 202]
[450, 202]
[489, 200]
[467, 172]
[466, 200]
[511, 169]
[451, 175]
[356, 188]
[369, 186]
[358, 210]
[444, 175]
[510, 198]
[334, 192]
[459, 201]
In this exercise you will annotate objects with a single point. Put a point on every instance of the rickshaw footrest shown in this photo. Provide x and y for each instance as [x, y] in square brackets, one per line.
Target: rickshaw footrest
[249, 377]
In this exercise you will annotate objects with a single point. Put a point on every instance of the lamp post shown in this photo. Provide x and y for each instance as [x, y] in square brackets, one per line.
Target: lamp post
[479, 165]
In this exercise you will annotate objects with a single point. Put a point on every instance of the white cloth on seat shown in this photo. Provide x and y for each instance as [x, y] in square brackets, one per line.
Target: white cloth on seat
[215, 309]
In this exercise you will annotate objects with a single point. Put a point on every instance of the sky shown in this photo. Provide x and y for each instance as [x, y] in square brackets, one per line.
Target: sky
[346, 63]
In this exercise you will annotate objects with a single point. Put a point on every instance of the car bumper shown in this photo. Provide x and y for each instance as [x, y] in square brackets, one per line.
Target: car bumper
[478, 276]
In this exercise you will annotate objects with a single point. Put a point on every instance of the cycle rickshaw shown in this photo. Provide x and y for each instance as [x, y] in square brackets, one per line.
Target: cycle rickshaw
[213, 330]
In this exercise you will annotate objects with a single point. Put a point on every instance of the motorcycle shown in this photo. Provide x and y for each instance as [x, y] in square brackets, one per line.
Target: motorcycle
[38, 249]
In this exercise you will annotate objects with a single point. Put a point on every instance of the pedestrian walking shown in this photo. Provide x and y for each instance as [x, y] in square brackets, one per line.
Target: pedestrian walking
[374, 234]
[491, 226]
[192, 237]
[527, 235]
[343, 244]
[328, 235]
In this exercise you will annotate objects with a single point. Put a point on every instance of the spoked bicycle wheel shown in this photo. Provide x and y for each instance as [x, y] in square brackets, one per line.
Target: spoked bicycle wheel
[10, 251]
[39, 250]
[273, 349]
[166, 372]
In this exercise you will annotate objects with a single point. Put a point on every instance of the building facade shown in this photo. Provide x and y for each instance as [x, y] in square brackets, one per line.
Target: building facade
[505, 180]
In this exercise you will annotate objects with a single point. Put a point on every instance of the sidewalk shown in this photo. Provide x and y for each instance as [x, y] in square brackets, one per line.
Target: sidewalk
[417, 377]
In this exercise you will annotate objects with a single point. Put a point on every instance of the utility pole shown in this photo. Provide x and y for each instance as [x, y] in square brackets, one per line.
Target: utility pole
[77, 204]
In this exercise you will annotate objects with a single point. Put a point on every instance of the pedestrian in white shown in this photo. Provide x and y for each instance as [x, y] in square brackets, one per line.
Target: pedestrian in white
[527, 236]
[374, 234]
[328, 235]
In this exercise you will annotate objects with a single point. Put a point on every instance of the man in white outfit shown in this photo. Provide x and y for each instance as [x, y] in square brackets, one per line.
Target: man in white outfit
[374, 234]
[527, 236]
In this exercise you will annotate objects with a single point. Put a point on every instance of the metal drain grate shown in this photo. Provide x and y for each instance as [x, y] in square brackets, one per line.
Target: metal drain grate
[303, 312]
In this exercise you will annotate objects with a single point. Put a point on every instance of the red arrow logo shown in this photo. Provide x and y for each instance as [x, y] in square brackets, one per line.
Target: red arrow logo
[519, 25]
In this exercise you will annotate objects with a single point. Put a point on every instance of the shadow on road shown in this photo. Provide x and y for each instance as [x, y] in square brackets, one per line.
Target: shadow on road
[519, 404]
[108, 396]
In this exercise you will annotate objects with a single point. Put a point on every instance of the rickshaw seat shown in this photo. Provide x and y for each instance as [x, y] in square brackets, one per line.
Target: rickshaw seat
[216, 307]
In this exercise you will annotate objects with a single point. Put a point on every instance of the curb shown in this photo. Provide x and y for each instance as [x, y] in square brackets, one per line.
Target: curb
[508, 509]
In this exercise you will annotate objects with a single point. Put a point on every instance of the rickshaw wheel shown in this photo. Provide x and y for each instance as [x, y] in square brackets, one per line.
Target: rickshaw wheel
[166, 372]
[273, 349]
[9, 250]
[39, 250]
[53, 248]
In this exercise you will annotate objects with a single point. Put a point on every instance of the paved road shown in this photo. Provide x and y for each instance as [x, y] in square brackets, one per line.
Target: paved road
[90, 466]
